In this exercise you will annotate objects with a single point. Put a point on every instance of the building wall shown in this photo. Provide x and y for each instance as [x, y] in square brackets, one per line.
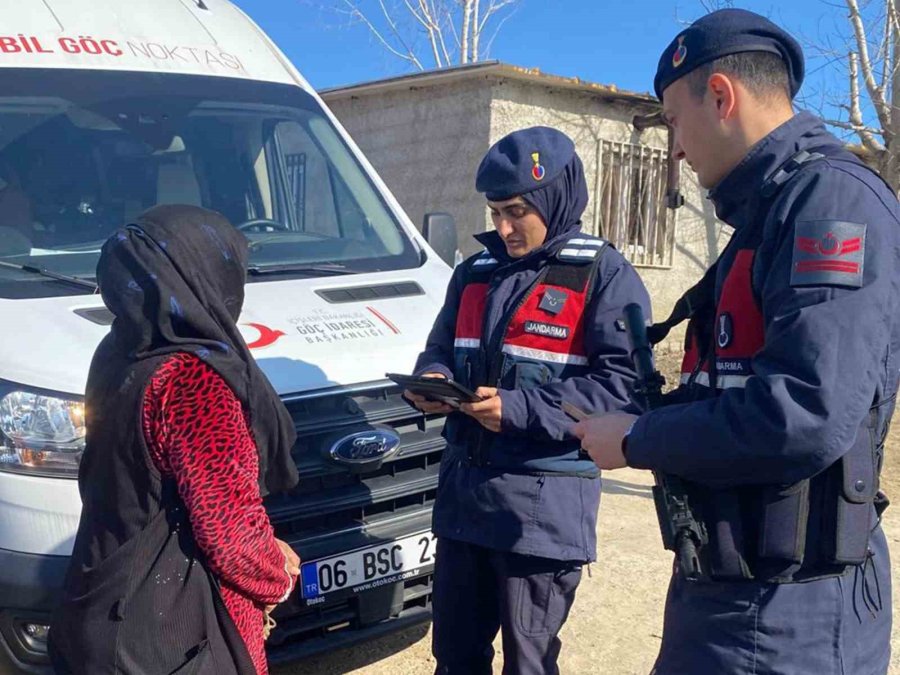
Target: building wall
[587, 120]
[425, 143]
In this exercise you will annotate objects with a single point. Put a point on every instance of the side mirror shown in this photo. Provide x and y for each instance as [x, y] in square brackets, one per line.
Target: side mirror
[439, 230]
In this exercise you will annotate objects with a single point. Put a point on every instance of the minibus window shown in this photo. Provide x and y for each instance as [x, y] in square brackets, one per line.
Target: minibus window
[79, 164]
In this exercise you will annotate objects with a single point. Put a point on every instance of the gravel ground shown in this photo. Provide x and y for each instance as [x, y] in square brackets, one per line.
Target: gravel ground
[615, 625]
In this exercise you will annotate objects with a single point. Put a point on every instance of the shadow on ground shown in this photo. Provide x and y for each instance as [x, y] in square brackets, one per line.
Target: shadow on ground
[611, 486]
[357, 658]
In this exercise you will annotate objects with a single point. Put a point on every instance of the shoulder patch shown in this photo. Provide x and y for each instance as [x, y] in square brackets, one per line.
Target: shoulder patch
[828, 253]
[581, 249]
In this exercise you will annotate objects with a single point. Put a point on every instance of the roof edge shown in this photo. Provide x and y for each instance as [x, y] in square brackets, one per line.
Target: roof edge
[486, 69]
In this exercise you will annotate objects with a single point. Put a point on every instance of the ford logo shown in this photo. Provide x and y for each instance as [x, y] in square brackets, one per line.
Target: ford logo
[365, 449]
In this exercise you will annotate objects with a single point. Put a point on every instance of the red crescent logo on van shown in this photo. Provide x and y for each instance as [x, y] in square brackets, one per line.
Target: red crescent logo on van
[267, 336]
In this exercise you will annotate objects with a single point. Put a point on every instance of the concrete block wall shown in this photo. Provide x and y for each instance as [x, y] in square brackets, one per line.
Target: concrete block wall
[425, 143]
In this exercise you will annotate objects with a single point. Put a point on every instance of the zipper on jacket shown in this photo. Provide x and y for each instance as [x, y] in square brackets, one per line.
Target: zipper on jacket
[493, 373]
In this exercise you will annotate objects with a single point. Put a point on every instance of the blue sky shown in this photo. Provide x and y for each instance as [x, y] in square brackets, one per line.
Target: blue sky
[608, 41]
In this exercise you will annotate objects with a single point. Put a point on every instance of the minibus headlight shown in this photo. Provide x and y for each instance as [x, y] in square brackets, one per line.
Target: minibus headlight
[41, 434]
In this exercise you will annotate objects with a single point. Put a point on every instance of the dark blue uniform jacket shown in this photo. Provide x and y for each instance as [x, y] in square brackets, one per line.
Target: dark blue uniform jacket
[830, 322]
[533, 512]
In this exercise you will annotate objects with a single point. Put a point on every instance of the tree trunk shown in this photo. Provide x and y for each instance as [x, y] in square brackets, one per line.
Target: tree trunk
[476, 31]
[466, 30]
[891, 162]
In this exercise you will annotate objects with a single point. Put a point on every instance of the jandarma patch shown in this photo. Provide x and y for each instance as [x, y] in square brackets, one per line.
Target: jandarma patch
[828, 253]
[547, 330]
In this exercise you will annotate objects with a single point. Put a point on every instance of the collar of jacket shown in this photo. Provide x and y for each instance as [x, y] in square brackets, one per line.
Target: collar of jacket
[738, 194]
[495, 246]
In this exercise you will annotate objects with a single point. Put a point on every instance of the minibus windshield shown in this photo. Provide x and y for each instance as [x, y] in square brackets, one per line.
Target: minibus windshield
[82, 153]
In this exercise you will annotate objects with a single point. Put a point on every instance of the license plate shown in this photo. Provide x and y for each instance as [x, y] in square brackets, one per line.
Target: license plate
[368, 567]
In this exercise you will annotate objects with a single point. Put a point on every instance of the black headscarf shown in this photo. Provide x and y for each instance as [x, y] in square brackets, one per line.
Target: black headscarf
[175, 282]
[562, 202]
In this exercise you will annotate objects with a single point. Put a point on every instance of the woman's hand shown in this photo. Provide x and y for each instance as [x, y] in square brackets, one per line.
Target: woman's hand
[291, 566]
[291, 559]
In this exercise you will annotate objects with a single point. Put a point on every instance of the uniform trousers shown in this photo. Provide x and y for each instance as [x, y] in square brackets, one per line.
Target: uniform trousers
[832, 626]
[479, 591]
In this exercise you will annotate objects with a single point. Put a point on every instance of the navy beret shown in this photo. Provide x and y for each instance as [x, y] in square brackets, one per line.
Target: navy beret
[727, 31]
[524, 161]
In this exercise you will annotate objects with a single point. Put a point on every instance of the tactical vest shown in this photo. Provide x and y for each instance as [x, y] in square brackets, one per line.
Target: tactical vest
[778, 533]
[539, 342]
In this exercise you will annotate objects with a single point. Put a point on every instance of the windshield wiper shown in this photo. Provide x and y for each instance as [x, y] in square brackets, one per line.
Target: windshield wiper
[50, 274]
[312, 270]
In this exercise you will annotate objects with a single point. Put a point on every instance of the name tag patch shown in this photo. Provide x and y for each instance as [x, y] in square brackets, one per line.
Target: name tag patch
[547, 330]
[733, 366]
[828, 253]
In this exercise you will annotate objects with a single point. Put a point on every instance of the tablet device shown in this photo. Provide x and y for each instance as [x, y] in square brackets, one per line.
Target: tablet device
[435, 388]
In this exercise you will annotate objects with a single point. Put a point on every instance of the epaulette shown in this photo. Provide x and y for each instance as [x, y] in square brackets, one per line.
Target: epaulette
[484, 261]
[581, 249]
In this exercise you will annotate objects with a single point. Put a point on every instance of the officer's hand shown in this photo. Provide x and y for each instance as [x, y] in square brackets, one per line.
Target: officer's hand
[602, 436]
[488, 412]
[423, 404]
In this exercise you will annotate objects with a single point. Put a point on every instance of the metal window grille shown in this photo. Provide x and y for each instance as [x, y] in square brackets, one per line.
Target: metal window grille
[296, 171]
[629, 202]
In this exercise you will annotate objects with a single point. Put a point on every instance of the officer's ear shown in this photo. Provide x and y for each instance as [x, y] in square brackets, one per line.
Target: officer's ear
[721, 91]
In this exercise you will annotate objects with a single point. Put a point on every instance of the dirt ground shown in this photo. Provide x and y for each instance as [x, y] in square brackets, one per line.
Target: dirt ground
[615, 625]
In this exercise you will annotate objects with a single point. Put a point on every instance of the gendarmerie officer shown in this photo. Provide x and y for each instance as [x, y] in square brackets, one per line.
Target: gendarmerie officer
[789, 377]
[529, 323]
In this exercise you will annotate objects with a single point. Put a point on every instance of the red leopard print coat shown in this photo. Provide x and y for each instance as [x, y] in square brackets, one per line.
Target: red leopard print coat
[196, 431]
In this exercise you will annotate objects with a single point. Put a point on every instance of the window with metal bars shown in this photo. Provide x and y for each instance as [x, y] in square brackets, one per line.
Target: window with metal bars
[629, 205]
[296, 170]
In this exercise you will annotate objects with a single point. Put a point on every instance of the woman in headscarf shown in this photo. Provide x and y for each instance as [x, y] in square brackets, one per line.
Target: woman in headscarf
[175, 562]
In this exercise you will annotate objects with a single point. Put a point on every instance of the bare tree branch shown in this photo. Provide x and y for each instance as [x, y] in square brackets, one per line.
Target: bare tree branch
[493, 8]
[425, 17]
[876, 93]
[855, 109]
[422, 20]
[454, 30]
[440, 34]
[357, 13]
[893, 20]
[396, 31]
[456, 38]
[884, 50]
[871, 68]
[849, 126]
[713, 5]
[393, 26]
[487, 51]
